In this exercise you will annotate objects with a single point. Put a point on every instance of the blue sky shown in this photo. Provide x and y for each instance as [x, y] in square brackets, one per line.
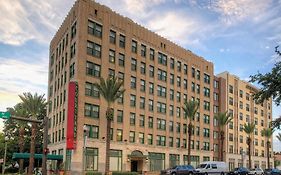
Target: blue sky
[236, 35]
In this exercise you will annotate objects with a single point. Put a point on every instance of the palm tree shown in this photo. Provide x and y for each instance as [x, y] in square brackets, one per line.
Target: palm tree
[277, 123]
[249, 129]
[111, 89]
[267, 132]
[223, 120]
[19, 111]
[279, 137]
[190, 108]
[34, 105]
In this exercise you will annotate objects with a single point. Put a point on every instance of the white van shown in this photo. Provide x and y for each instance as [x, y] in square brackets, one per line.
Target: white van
[212, 167]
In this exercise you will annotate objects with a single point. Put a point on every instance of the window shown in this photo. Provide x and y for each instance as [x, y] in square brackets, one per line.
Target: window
[171, 126]
[121, 59]
[94, 29]
[71, 71]
[93, 69]
[157, 161]
[171, 109]
[111, 72]
[247, 96]
[172, 79]
[162, 58]
[150, 122]
[172, 63]
[94, 49]
[120, 116]
[122, 41]
[178, 96]
[206, 78]
[134, 46]
[93, 131]
[206, 119]
[178, 66]
[142, 85]
[193, 87]
[149, 139]
[133, 64]
[132, 118]
[72, 50]
[206, 92]
[171, 141]
[91, 110]
[240, 104]
[247, 107]
[216, 84]
[179, 81]
[119, 135]
[206, 132]
[185, 69]
[185, 84]
[198, 74]
[240, 93]
[112, 37]
[151, 71]
[178, 112]
[174, 159]
[230, 125]
[141, 138]
[198, 89]
[91, 90]
[132, 136]
[206, 146]
[151, 55]
[230, 89]
[133, 82]
[142, 68]
[178, 127]
[132, 100]
[142, 121]
[73, 30]
[161, 107]
[151, 88]
[207, 105]
[178, 143]
[143, 50]
[230, 101]
[115, 160]
[161, 91]
[142, 102]
[162, 75]
[161, 124]
[160, 140]
[91, 159]
[111, 56]
[171, 94]
[230, 137]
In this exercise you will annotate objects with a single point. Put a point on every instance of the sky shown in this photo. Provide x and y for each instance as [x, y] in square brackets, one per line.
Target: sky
[236, 35]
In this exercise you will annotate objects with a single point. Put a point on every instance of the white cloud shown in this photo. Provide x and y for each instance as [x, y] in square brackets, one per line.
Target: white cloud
[233, 11]
[18, 77]
[21, 21]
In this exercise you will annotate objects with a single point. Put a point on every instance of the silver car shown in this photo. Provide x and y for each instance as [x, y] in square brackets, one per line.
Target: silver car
[256, 171]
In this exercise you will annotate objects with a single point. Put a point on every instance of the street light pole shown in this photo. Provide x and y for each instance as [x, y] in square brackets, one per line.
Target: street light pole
[45, 145]
[5, 155]
[86, 131]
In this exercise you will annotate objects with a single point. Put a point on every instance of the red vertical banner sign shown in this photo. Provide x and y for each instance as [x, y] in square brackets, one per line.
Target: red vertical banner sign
[72, 116]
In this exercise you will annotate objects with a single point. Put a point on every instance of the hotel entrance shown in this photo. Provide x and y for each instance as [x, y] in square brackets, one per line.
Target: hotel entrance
[137, 160]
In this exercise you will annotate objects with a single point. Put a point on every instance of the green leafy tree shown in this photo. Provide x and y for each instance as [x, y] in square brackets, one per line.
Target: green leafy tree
[19, 111]
[270, 86]
[190, 109]
[249, 128]
[35, 105]
[267, 132]
[111, 89]
[223, 119]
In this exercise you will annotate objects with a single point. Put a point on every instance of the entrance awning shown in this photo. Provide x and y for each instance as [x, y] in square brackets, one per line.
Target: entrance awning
[137, 154]
[36, 156]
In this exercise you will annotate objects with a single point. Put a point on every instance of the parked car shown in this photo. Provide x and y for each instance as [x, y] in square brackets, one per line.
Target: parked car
[239, 171]
[272, 171]
[212, 167]
[179, 170]
[256, 171]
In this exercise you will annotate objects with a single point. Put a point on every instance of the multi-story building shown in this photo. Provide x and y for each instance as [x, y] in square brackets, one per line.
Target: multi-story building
[238, 101]
[149, 130]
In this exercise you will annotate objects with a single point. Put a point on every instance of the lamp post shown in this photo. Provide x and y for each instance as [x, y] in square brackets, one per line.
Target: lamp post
[243, 157]
[86, 132]
[5, 155]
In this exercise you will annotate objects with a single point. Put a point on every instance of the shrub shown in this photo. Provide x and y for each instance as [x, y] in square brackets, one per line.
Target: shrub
[124, 173]
[93, 173]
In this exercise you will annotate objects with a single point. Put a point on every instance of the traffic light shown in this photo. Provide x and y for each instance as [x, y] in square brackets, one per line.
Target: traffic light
[46, 151]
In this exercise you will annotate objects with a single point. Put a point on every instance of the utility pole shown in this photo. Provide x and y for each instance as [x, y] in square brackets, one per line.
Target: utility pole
[5, 155]
[45, 146]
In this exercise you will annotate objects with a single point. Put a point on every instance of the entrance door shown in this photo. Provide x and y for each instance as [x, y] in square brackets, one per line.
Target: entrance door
[134, 166]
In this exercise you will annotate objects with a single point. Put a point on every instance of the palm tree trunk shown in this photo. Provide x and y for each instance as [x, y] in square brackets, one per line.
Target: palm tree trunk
[222, 143]
[107, 151]
[267, 147]
[250, 160]
[189, 143]
[32, 149]
[21, 146]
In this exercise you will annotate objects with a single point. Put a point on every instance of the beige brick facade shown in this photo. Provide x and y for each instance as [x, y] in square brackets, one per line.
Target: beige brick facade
[82, 51]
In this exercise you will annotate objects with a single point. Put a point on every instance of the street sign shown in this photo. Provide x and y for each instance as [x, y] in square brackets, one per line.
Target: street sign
[5, 115]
